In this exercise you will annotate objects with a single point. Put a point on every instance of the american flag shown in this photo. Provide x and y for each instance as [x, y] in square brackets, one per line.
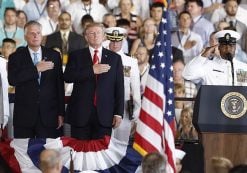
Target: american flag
[156, 124]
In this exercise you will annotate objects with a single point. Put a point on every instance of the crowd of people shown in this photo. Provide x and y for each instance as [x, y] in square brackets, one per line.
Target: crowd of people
[98, 52]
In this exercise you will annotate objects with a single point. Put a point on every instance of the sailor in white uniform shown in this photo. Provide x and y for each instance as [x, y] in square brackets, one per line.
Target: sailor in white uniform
[131, 84]
[4, 99]
[225, 69]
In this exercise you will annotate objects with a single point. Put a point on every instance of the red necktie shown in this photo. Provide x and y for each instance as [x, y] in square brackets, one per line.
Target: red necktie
[95, 57]
[95, 61]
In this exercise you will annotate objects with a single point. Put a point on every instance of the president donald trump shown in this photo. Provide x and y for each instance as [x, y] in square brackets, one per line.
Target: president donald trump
[97, 101]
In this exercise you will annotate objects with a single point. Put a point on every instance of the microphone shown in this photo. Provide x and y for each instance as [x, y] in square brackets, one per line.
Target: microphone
[229, 57]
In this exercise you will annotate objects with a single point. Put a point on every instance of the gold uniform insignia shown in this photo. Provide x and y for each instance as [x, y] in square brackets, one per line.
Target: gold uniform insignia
[126, 70]
[241, 76]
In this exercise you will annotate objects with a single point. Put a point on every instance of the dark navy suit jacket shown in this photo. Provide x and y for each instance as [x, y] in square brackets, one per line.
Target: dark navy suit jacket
[31, 98]
[109, 88]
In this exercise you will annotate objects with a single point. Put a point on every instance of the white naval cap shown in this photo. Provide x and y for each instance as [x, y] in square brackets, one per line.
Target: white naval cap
[115, 33]
[227, 36]
[179, 154]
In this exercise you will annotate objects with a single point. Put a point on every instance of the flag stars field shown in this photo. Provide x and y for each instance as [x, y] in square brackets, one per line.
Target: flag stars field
[161, 54]
[162, 65]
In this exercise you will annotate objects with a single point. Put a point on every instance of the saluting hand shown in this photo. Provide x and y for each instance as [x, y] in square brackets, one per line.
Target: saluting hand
[209, 51]
[101, 68]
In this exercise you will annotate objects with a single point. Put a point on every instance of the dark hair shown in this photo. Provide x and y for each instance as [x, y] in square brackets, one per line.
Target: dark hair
[10, 9]
[239, 169]
[64, 12]
[157, 5]
[184, 12]
[177, 55]
[198, 2]
[86, 18]
[123, 22]
[18, 12]
[231, 28]
[225, 1]
[48, 3]
[9, 40]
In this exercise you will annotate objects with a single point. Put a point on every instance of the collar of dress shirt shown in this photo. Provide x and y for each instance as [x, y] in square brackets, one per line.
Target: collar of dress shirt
[39, 53]
[91, 49]
[66, 32]
[196, 18]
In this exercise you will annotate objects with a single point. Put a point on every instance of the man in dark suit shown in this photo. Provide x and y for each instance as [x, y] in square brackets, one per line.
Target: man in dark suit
[64, 39]
[97, 101]
[36, 73]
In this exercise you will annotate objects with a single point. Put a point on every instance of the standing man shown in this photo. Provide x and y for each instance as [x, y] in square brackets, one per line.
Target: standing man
[64, 39]
[36, 73]
[132, 96]
[225, 69]
[97, 101]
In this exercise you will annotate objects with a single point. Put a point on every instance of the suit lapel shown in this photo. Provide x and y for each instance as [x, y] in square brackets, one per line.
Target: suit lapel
[104, 58]
[28, 57]
[45, 57]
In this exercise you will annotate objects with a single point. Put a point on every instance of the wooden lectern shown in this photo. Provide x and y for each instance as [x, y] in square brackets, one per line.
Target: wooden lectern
[221, 119]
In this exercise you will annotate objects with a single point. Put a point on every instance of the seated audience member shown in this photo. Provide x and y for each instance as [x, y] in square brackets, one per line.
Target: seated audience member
[154, 163]
[176, 7]
[126, 13]
[50, 161]
[229, 15]
[156, 11]
[127, 42]
[217, 70]
[142, 57]
[186, 129]
[190, 87]
[21, 18]
[179, 92]
[221, 165]
[222, 25]
[210, 6]
[109, 20]
[49, 23]
[35, 9]
[8, 47]
[239, 169]
[147, 37]
[179, 154]
[185, 39]
[82, 7]
[200, 24]
[10, 29]
[86, 20]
